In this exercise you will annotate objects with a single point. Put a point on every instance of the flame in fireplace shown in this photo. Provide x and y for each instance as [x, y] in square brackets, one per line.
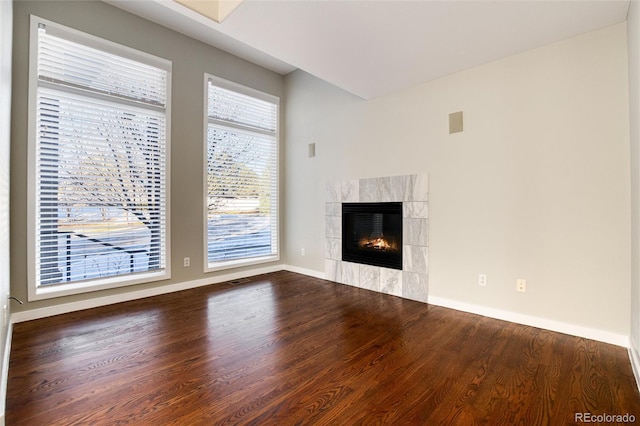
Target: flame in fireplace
[379, 244]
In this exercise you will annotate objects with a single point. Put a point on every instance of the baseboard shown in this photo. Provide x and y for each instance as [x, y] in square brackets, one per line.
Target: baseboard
[134, 295]
[560, 327]
[634, 357]
[304, 271]
[546, 324]
[5, 372]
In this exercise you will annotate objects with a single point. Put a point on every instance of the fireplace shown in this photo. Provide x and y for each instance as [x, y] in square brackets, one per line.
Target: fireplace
[372, 234]
[409, 276]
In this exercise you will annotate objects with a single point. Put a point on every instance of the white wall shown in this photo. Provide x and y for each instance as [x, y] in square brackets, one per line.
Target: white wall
[536, 187]
[633, 37]
[6, 24]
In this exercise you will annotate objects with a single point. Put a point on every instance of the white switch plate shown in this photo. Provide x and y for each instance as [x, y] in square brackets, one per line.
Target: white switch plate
[187, 262]
[521, 285]
[482, 280]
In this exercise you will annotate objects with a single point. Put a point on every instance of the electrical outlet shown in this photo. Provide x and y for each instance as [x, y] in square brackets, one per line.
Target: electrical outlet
[482, 280]
[187, 262]
[521, 285]
[302, 252]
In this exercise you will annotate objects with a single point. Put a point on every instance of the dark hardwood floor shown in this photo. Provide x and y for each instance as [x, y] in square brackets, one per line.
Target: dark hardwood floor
[288, 349]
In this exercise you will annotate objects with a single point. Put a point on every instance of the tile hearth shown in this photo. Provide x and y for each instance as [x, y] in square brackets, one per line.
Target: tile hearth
[412, 282]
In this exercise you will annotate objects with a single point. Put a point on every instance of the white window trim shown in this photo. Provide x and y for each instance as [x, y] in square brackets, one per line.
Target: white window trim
[236, 263]
[34, 291]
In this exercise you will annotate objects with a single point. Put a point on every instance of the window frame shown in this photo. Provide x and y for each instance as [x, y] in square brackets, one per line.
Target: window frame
[39, 292]
[248, 91]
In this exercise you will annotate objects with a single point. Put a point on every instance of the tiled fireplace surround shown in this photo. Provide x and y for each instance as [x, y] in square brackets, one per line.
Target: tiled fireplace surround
[412, 190]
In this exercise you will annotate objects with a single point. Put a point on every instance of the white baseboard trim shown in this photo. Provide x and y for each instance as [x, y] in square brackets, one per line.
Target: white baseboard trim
[561, 327]
[134, 295]
[634, 357]
[305, 271]
[5, 372]
[547, 324]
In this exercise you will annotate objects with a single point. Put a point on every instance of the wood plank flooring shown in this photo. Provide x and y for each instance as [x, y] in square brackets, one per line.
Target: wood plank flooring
[288, 349]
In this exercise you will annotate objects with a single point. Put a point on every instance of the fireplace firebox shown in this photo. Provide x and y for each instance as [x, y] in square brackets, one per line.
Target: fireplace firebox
[372, 234]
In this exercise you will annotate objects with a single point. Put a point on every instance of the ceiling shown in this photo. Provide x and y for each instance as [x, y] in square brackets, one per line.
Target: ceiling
[375, 47]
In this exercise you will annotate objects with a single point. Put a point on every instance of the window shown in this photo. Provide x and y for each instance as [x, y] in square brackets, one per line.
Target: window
[241, 201]
[98, 159]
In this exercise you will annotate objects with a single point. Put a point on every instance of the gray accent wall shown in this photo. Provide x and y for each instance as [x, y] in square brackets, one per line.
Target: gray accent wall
[191, 59]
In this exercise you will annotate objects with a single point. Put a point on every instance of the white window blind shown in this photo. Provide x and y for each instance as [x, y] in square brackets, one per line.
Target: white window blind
[242, 175]
[73, 65]
[100, 162]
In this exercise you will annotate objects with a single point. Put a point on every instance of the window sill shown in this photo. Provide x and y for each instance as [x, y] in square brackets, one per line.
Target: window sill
[59, 290]
[230, 264]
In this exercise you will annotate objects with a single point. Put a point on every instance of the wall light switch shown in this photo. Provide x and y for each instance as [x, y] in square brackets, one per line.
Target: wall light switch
[312, 150]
